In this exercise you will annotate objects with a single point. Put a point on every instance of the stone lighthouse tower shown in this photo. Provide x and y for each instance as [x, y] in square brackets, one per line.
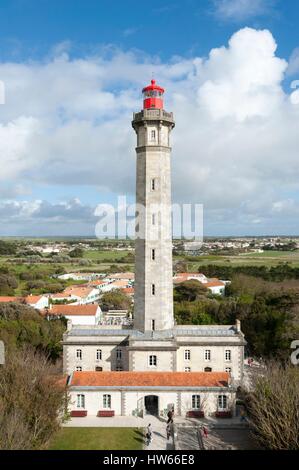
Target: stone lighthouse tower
[153, 258]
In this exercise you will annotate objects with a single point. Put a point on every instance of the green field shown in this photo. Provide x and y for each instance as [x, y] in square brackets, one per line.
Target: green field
[111, 255]
[98, 439]
[268, 258]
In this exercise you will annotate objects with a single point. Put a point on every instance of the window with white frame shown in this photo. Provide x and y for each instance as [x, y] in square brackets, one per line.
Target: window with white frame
[187, 355]
[118, 353]
[152, 360]
[196, 402]
[99, 355]
[187, 369]
[207, 354]
[222, 402]
[79, 353]
[78, 368]
[228, 370]
[80, 401]
[228, 355]
[106, 401]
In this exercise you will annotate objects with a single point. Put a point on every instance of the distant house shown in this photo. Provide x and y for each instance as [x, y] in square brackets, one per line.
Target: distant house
[117, 284]
[78, 295]
[182, 277]
[214, 285]
[121, 276]
[79, 314]
[37, 301]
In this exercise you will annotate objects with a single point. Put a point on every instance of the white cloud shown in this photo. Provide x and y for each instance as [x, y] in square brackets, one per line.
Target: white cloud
[240, 10]
[235, 145]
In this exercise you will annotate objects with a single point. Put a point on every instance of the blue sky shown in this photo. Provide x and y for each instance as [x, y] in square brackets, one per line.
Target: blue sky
[73, 71]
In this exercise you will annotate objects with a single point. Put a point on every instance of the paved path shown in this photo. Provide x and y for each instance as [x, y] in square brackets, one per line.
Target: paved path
[187, 438]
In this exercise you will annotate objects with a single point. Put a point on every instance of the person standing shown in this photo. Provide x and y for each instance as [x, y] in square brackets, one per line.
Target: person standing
[149, 434]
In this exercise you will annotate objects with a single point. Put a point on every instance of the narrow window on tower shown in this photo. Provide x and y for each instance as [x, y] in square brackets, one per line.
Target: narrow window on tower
[153, 325]
[153, 184]
[153, 289]
[153, 219]
[153, 251]
[153, 135]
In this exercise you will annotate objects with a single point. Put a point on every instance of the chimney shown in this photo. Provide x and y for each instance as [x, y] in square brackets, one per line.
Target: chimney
[69, 325]
[238, 326]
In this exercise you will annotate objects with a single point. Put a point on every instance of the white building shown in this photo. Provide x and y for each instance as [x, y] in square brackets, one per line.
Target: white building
[78, 295]
[155, 364]
[78, 314]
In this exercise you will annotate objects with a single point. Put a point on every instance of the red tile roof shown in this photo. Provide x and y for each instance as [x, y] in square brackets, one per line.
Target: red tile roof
[32, 299]
[214, 284]
[128, 290]
[73, 310]
[10, 299]
[145, 379]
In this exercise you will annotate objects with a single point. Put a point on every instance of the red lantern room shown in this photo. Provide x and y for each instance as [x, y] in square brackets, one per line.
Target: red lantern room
[153, 96]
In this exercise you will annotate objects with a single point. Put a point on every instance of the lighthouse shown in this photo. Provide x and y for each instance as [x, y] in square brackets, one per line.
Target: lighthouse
[153, 242]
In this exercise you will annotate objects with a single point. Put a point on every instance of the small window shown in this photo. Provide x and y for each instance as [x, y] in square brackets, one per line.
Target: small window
[153, 252]
[78, 368]
[196, 402]
[99, 355]
[153, 289]
[153, 219]
[153, 325]
[222, 402]
[187, 355]
[99, 369]
[152, 361]
[106, 401]
[228, 355]
[118, 353]
[79, 353]
[208, 369]
[119, 369]
[153, 135]
[80, 401]
[187, 369]
[153, 184]
[207, 355]
[228, 370]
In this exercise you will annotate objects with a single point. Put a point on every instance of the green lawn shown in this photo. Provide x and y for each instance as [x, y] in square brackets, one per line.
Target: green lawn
[98, 439]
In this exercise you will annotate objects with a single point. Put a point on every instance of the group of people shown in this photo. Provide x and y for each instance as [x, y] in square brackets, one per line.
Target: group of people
[149, 432]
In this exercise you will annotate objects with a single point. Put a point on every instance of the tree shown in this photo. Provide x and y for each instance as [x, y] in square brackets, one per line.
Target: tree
[21, 325]
[32, 401]
[116, 300]
[190, 290]
[76, 253]
[274, 407]
[8, 283]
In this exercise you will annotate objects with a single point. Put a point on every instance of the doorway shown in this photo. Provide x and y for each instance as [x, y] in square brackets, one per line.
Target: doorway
[151, 404]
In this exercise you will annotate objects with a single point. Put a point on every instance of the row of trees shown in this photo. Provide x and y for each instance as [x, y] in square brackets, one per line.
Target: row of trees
[277, 273]
[269, 311]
